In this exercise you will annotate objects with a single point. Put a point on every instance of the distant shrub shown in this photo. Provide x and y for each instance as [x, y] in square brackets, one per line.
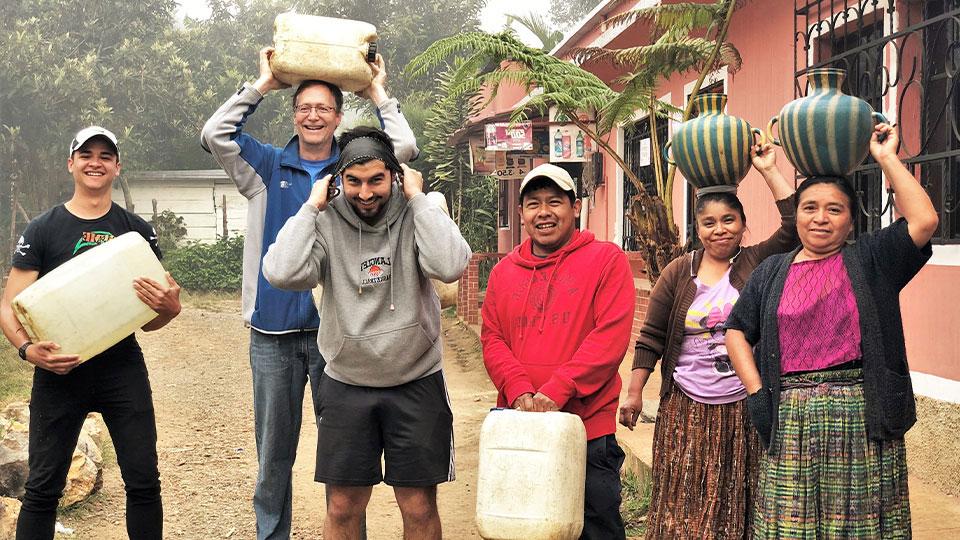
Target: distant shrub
[170, 230]
[208, 267]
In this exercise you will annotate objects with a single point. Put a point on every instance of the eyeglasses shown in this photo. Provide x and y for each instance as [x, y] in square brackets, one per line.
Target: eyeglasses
[304, 109]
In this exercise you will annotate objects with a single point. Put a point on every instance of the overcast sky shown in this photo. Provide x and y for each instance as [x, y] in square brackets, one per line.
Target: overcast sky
[491, 19]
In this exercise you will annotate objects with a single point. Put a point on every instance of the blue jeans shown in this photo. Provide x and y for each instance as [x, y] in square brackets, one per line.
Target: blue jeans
[281, 365]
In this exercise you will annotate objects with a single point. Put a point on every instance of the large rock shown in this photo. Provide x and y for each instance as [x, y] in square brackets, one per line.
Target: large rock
[9, 510]
[14, 439]
[18, 410]
[84, 478]
[86, 467]
[95, 427]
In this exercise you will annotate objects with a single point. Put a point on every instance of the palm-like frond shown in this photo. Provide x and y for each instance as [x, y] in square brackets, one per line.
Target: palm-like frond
[664, 56]
[685, 15]
[564, 84]
[539, 27]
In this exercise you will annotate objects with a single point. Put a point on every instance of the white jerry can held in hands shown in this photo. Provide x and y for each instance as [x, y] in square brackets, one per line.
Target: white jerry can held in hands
[87, 304]
[531, 479]
[324, 48]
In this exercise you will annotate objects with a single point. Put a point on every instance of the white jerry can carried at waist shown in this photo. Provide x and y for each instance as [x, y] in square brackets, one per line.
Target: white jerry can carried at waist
[531, 479]
[323, 48]
[87, 304]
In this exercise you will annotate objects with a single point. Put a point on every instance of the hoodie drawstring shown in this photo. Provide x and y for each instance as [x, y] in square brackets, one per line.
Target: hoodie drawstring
[546, 294]
[393, 250]
[359, 252]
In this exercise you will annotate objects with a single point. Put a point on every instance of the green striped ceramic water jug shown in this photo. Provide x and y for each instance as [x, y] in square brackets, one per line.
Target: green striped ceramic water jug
[826, 133]
[712, 150]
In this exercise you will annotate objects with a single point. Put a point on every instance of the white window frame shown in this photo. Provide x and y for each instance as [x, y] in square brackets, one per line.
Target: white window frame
[638, 116]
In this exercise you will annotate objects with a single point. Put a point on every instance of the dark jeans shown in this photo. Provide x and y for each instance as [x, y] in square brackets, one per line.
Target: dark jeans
[601, 503]
[118, 388]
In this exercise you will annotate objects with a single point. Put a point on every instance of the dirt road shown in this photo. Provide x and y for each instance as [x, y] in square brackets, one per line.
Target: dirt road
[199, 371]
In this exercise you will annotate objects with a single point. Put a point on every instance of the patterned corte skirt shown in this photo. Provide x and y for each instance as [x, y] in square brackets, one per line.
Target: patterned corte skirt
[704, 470]
[824, 478]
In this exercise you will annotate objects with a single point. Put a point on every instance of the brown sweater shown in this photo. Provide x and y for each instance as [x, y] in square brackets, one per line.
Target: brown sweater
[662, 331]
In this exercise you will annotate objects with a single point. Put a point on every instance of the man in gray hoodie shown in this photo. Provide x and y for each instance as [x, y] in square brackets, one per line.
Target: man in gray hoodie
[374, 251]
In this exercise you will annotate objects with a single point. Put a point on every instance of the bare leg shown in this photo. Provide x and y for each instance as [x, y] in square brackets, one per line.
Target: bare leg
[346, 506]
[418, 506]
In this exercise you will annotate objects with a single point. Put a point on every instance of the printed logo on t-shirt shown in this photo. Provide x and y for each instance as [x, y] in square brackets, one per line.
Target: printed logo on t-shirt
[22, 247]
[284, 184]
[707, 331]
[375, 270]
[92, 238]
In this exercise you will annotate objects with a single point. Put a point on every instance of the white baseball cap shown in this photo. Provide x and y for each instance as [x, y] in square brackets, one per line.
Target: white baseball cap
[559, 176]
[88, 133]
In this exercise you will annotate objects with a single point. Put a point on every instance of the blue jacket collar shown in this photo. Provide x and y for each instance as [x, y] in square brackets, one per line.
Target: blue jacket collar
[290, 156]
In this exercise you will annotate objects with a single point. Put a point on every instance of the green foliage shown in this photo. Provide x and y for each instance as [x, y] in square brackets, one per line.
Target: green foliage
[636, 503]
[472, 198]
[564, 84]
[405, 28]
[16, 375]
[154, 81]
[566, 13]
[170, 229]
[208, 267]
[538, 26]
[478, 217]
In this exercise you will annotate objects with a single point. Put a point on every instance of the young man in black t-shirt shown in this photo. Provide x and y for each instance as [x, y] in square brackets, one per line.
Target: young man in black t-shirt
[115, 381]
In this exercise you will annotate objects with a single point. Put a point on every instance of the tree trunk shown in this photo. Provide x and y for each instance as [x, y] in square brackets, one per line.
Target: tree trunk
[656, 232]
[127, 197]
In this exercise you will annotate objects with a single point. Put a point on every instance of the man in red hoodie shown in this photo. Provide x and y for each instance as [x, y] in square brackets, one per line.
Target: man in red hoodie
[556, 324]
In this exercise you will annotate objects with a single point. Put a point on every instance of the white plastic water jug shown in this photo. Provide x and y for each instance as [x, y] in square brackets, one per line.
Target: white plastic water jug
[531, 479]
[87, 304]
[324, 48]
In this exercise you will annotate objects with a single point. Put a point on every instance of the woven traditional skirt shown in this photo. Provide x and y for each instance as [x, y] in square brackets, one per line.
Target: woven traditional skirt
[704, 470]
[825, 479]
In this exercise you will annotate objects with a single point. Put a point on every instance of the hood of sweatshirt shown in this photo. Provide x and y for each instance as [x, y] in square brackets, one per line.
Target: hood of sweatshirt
[523, 254]
[394, 211]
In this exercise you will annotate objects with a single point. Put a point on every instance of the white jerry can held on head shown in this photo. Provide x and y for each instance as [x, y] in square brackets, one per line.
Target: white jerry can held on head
[332, 50]
[531, 480]
[87, 304]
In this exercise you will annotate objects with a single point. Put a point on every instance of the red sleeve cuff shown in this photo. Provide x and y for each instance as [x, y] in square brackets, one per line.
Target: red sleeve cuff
[515, 389]
[559, 390]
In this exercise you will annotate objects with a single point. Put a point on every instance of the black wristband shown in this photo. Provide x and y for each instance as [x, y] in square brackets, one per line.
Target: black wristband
[22, 351]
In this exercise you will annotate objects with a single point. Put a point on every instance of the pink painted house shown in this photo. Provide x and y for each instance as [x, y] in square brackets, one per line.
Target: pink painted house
[903, 57]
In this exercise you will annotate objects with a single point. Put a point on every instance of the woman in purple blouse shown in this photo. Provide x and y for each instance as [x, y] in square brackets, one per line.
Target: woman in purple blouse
[817, 340]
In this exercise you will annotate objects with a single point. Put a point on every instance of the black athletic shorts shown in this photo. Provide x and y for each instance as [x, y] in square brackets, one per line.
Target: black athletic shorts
[411, 425]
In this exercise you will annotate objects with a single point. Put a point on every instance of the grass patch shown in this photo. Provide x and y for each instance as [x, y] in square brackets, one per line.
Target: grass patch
[636, 503]
[16, 376]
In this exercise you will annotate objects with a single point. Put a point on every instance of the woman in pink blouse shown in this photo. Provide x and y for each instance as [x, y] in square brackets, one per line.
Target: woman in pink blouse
[817, 340]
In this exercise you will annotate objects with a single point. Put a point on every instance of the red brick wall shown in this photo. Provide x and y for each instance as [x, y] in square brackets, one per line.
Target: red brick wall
[640, 313]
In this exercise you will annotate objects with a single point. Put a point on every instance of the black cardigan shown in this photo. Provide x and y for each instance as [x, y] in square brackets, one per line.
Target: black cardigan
[879, 265]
